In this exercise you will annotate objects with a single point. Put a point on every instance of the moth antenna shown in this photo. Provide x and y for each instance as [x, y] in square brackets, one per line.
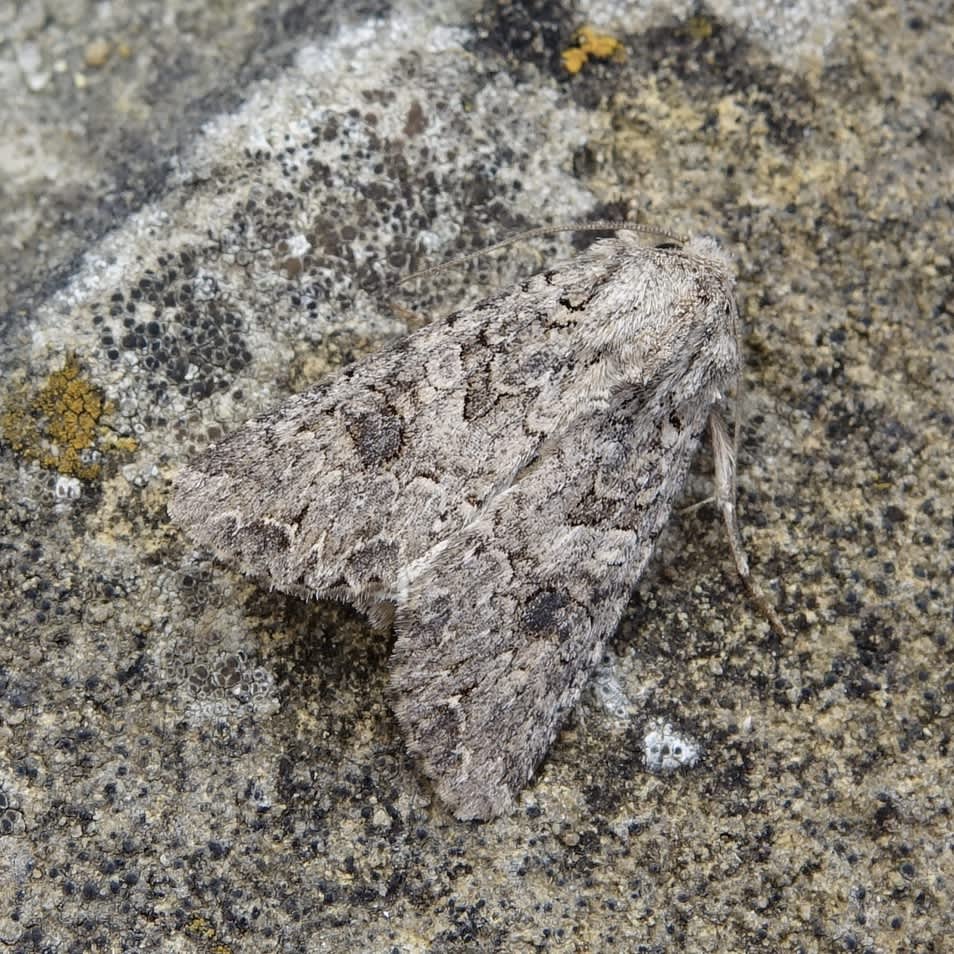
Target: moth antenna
[601, 226]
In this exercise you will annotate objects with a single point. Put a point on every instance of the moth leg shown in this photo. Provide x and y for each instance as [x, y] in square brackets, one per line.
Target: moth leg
[723, 452]
[698, 505]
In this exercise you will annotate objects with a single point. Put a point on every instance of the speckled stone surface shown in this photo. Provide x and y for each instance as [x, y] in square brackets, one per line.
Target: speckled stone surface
[203, 208]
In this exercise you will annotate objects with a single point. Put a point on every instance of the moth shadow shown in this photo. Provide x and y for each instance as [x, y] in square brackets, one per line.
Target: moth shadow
[319, 640]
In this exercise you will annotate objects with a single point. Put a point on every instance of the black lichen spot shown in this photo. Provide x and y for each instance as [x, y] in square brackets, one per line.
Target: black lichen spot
[416, 121]
[377, 435]
[188, 331]
[529, 32]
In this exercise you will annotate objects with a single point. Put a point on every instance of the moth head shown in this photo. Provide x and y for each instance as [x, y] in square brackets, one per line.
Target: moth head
[707, 248]
[723, 325]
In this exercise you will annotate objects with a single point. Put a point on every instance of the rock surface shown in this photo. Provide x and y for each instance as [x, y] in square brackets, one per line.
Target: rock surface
[203, 210]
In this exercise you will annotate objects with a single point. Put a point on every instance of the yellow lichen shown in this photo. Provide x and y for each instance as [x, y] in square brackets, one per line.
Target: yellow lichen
[203, 929]
[124, 444]
[588, 42]
[59, 425]
[699, 27]
[573, 60]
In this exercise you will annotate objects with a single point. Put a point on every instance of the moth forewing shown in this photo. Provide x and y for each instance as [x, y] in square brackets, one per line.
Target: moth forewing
[500, 478]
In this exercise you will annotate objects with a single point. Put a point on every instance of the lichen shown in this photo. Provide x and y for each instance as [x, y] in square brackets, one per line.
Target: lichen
[200, 927]
[60, 425]
[588, 42]
[699, 27]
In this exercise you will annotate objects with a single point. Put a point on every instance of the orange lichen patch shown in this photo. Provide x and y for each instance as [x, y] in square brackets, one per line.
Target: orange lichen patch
[59, 425]
[588, 42]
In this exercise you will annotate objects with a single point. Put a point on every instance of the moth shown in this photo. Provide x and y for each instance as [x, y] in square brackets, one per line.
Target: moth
[494, 483]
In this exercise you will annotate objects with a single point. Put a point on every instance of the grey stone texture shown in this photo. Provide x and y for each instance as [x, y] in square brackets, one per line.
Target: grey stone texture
[203, 208]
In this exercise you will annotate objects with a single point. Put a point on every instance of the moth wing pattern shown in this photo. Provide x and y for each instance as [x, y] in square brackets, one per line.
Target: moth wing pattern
[500, 629]
[340, 486]
[501, 476]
